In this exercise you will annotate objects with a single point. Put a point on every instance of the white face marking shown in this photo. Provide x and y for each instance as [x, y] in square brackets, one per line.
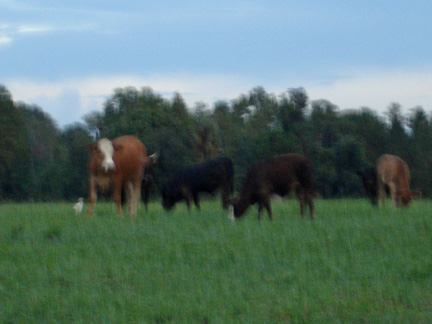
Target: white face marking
[107, 149]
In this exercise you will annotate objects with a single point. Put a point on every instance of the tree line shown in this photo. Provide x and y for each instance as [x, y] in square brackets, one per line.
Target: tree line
[41, 162]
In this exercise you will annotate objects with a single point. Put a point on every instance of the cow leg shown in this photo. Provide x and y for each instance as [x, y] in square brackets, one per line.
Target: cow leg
[129, 196]
[301, 198]
[146, 197]
[260, 208]
[135, 196]
[265, 204]
[188, 203]
[117, 183]
[398, 198]
[394, 195]
[196, 200]
[269, 211]
[187, 195]
[225, 196]
[309, 200]
[93, 197]
[381, 192]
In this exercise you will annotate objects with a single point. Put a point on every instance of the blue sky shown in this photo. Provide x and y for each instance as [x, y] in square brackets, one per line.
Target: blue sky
[68, 56]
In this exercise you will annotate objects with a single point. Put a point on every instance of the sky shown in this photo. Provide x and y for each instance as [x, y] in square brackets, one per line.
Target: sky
[67, 57]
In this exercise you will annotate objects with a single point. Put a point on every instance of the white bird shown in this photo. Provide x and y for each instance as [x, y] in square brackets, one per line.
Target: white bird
[79, 206]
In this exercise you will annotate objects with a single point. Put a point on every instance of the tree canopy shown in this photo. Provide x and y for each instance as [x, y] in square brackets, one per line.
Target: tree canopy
[39, 161]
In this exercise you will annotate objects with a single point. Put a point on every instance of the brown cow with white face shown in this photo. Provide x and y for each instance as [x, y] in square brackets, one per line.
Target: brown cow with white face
[120, 163]
[394, 172]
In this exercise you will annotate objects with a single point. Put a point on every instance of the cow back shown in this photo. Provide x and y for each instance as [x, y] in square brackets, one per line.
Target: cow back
[279, 174]
[392, 169]
[130, 155]
[207, 176]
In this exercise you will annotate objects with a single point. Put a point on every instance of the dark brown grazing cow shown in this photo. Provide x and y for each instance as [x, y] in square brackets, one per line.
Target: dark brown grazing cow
[394, 172]
[120, 163]
[276, 175]
[369, 179]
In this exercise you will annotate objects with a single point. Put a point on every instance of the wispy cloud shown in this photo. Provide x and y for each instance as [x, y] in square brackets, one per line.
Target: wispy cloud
[5, 40]
[29, 29]
[377, 89]
[69, 100]
[10, 32]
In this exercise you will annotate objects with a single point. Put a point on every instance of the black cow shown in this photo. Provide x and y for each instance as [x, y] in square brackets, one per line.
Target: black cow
[369, 179]
[147, 183]
[276, 175]
[370, 184]
[205, 177]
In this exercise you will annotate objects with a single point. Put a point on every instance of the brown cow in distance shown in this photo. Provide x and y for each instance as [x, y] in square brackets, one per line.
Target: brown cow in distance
[120, 163]
[394, 172]
[279, 175]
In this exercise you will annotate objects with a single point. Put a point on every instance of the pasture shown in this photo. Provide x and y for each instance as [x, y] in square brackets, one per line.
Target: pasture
[352, 264]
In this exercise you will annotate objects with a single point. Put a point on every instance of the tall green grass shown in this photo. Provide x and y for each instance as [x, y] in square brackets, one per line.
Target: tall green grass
[352, 264]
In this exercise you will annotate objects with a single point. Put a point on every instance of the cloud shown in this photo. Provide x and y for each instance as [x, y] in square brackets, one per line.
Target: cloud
[10, 32]
[28, 29]
[5, 40]
[377, 89]
[69, 100]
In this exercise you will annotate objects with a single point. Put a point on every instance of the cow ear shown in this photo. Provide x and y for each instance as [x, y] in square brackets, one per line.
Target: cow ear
[117, 147]
[154, 157]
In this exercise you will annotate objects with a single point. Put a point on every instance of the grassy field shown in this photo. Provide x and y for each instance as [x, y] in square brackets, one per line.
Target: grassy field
[352, 264]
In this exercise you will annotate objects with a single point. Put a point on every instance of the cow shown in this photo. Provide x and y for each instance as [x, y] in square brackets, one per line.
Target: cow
[369, 179]
[120, 163]
[278, 175]
[205, 177]
[394, 172]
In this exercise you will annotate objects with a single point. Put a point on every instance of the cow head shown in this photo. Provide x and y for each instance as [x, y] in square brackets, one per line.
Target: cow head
[407, 196]
[168, 200]
[237, 208]
[103, 151]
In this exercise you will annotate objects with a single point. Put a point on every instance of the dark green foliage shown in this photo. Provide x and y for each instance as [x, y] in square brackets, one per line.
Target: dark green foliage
[75, 139]
[14, 150]
[38, 161]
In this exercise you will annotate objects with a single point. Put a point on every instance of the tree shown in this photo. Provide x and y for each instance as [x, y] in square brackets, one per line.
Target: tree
[324, 122]
[48, 158]
[349, 157]
[292, 107]
[76, 139]
[420, 148]
[14, 150]
[370, 130]
[398, 138]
